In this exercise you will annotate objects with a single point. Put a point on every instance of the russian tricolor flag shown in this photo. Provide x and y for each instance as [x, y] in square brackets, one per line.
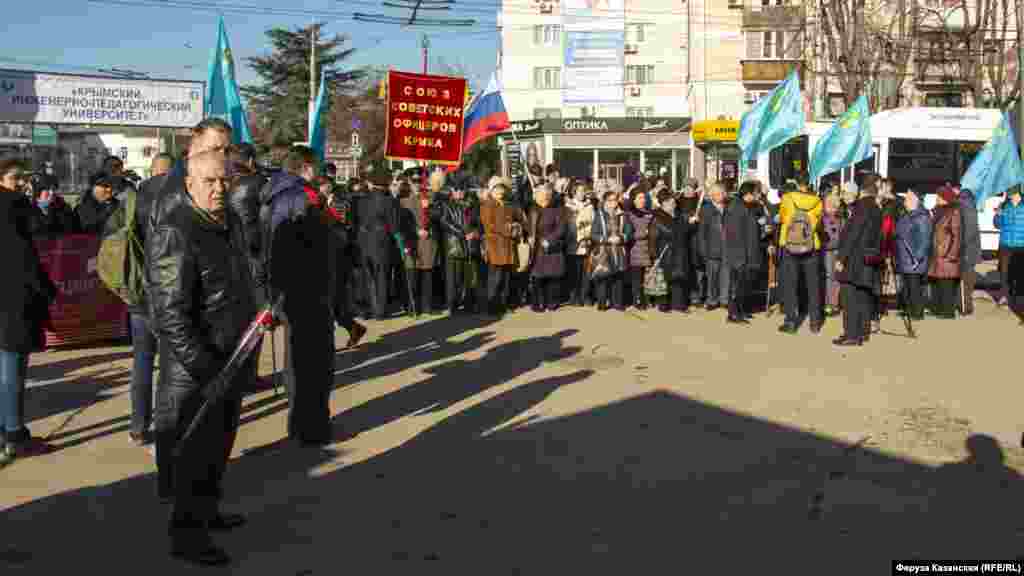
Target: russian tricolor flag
[486, 117]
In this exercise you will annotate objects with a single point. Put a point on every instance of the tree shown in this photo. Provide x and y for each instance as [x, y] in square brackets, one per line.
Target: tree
[280, 101]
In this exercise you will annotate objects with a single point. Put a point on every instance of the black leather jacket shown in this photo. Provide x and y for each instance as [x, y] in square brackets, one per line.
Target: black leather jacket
[457, 220]
[245, 201]
[199, 289]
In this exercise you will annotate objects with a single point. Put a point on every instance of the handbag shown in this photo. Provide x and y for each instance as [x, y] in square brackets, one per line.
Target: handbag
[655, 283]
[600, 264]
[525, 253]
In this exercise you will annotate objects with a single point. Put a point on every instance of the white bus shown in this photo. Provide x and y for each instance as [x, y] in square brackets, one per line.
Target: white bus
[918, 148]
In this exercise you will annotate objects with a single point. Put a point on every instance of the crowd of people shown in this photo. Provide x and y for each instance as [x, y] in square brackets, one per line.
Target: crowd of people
[223, 239]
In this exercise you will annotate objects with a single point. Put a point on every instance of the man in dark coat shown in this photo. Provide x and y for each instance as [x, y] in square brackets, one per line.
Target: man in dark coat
[742, 251]
[460, 221]
[144, 344]
[302, 269]
[198, 282]
[857, 267]
[96, 206]
[970, 250]
[25, 293]
[376, 221]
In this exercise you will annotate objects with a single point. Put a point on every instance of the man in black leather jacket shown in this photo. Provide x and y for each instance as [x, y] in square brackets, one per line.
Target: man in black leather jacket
[376, 220]
[244, 200]
[199, 292]
[460, 221]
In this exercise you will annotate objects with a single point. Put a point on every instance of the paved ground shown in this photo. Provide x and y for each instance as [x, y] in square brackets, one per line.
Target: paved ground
[574, 443]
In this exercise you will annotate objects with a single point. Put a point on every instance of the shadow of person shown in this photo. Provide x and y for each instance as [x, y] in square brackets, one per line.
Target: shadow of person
[980, 487]
[456, 380]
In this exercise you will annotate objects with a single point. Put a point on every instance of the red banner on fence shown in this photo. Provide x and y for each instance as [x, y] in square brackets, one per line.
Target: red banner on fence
[425, 118]
[85, 311]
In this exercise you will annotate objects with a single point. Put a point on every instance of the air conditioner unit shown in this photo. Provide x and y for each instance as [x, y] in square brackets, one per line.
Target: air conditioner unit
[735, 4]
[630, 49]
[546, 8]
[634, 91]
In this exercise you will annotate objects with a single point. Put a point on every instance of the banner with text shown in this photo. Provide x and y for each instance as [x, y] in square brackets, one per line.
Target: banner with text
[425, 118]
[35, 97]
[593, 63]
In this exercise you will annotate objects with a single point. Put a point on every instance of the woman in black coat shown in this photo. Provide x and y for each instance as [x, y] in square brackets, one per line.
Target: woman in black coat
[25, 294]
[742, 250]
[857, 267]
[670, 238]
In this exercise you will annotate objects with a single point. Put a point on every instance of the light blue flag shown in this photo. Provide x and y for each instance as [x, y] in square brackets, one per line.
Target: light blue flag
[774, 120]
[222, 97]
[996, 168]
[847, 142]
[316, 126]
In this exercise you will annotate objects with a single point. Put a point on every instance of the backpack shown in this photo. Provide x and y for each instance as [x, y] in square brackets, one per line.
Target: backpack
[800, 233]
[121, 260]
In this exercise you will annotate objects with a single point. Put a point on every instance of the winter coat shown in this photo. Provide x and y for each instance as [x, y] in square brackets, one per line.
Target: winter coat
[58, 219]
[414, 217]
[860, 246]
[890, 215]
[93, 217]
[457, 220]
[787, 210]
[581, 219]
[970, 243]
[672, 234]
[1010, 223]
[376, 223]
[913, 242]
[25, 289]
[689, 205]
[711, 235]
[639, 250]
[607, 225]
[503, 225]
[548, 224]
[742, 236]
[946, 239]
[245, 200]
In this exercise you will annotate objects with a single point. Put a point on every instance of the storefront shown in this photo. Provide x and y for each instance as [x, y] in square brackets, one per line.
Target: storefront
[619, 149]
[717, 140]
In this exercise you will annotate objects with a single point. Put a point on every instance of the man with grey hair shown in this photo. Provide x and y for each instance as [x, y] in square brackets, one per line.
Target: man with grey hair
[711, 247]
[201, 303]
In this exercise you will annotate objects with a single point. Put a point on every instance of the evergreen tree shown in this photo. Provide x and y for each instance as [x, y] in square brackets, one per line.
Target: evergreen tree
[280, 102]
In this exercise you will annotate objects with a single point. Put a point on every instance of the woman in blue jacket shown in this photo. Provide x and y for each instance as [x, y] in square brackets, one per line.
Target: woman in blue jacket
[913, 242]
[1010, 222]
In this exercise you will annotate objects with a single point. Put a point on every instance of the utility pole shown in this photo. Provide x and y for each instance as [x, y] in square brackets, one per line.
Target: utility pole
[425, 44]
[312, 81]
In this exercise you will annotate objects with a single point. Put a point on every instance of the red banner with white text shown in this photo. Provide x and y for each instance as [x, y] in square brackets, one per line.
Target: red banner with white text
[85, 311]
[425, 118]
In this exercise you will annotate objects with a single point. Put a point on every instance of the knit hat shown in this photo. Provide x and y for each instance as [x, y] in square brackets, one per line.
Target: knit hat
[947, 194]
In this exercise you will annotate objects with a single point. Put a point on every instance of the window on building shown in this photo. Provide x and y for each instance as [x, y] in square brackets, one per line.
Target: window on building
[542, 113]
[638, 33]
[774, 44]
[547, 35]
[640, 74]
[944, 100]
[547, 78]
[641, 112]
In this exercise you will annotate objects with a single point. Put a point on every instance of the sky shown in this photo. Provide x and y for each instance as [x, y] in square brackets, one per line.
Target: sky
[78, 36]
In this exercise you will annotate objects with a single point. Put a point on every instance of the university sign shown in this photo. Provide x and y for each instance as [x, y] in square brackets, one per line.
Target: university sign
[36, 98]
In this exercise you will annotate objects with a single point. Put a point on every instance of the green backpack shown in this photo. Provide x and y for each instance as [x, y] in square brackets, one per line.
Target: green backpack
[120, 263]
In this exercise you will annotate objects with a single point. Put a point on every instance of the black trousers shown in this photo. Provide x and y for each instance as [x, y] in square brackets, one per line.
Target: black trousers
[913, 294]
[802, 272]
[423, 284]
[460, 282]
[857, 310]
[678, 297]
[309, 374]
[546, 292]
[944, 300]
[577, 281]
[1015, 280]
[636, 285]
[609, 290]
[739, 297]
[498, 281]
[378, 276]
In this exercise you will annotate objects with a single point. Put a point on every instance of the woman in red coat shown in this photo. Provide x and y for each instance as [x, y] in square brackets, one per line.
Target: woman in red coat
[944, 268]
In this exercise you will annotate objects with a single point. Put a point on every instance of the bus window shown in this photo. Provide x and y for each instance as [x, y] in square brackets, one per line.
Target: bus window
[787, 162]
